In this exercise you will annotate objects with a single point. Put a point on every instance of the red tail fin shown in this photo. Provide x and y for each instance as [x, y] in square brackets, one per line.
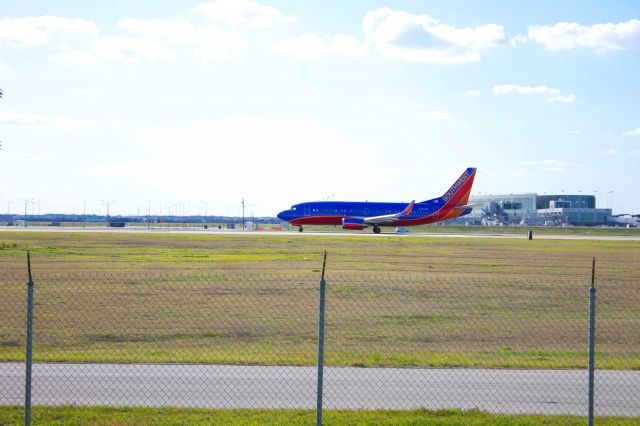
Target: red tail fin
[461, 189]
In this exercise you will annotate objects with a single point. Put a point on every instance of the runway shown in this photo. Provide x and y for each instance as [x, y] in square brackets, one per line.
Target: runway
[222, 386]
[522, 234]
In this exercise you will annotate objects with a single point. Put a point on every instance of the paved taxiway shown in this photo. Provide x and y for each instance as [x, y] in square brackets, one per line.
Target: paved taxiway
[225, 386]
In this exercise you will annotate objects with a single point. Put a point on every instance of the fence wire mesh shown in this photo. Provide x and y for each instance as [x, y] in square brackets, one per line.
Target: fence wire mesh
[245, 339]
[13, 316]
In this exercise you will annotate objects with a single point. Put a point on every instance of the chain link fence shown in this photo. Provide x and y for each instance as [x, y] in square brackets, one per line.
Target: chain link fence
[246, 339]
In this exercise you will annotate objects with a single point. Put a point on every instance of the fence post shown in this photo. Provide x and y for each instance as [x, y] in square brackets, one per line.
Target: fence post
[592, 340]
[320, 345]
[27, 393]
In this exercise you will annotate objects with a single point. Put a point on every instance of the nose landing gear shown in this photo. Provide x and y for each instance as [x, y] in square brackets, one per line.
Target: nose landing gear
[300, 229]
[376, 230]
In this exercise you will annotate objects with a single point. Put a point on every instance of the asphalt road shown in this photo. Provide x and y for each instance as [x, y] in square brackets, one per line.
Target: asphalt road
[493, 390]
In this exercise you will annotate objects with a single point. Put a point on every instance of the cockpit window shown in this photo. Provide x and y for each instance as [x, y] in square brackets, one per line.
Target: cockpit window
[293, 208]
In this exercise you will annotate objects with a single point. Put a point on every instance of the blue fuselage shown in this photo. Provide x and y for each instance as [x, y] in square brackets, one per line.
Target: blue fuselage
[332, 212]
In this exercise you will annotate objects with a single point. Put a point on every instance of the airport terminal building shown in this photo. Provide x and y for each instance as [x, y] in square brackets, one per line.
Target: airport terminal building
[537, 210]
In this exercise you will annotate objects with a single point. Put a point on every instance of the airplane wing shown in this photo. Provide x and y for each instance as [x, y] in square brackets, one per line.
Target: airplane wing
[380, 220]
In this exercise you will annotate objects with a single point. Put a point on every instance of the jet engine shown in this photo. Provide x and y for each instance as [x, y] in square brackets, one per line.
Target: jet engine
[353, 223]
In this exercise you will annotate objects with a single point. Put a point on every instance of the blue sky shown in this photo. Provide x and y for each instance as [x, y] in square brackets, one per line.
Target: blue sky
[187, 103]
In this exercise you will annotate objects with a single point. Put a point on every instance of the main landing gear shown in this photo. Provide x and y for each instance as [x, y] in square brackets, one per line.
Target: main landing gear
[376, 230]
[300, 229]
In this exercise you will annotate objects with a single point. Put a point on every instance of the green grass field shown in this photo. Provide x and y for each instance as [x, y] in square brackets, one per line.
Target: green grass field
[271, 251]
[443, 228]
[112, 416]
[242, 299]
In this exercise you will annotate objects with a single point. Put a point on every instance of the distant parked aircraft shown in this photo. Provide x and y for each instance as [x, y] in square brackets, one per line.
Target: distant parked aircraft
[359, 215]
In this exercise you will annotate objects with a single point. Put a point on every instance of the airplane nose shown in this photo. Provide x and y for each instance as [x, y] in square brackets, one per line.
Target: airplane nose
[282, 215]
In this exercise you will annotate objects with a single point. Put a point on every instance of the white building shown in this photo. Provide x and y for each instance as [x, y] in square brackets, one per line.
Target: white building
[534, 209]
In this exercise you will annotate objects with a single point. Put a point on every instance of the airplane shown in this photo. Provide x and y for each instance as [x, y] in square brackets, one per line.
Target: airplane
[360, 215]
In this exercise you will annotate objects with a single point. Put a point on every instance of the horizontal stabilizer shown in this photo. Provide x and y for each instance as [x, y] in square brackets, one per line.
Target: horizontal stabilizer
[468, 206]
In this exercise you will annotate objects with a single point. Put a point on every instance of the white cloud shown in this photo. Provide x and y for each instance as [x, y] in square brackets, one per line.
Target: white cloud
[633, 152]
[550, 162]
[20, 156]
[10, 118]
[555, 96]
[158, 40]
[131, 49]
[75, 57]
[553, 166]
[38, 30]
[311, 46]
[394, 34]
[421, 38]
[612, 151]
[118, 49]
[4, 67]
[517, 40]
[93, 91]
[634, 132]
[472, 92]
[208, 43]
[601, 37]
[376, 97]
[432, 116]
[178, 31]
[574, 132]
[563, 98]
[506, 89]
[244, 13]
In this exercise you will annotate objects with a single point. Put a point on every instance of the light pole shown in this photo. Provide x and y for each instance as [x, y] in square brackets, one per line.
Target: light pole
[183, 204]
[84, 212]
[612, 201]
[253, 223]
[228, 206]
[107, 203]
[243, 214]
[595, 208]
[148, 213]
[26, 203]
[174, 207]
[205, 211]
